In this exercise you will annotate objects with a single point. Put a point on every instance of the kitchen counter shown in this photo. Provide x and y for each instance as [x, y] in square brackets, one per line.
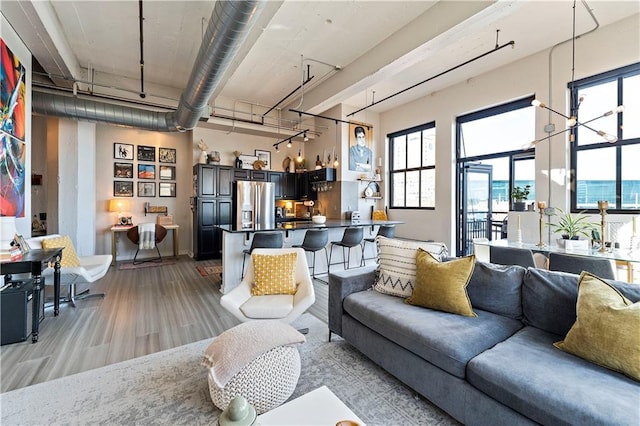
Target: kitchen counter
[234, 241]
[307, 224]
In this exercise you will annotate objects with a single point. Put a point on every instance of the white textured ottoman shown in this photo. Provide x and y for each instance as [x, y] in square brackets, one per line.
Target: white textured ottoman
[256, 360]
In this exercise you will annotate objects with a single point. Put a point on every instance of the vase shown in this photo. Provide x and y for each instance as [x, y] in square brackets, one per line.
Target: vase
[203, 157]
[238, 163]
[518, 206]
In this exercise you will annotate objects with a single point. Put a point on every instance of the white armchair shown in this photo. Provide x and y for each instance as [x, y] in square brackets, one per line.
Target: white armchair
[91, 269]
[286, 308]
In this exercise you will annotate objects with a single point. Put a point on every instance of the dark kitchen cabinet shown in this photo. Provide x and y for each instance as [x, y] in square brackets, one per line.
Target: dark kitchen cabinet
[303, 187]
[208, 213]
[211, 206]
[212, 181]
[284, 185]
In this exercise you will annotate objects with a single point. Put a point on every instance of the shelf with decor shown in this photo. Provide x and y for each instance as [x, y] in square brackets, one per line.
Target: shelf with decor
[372, 191]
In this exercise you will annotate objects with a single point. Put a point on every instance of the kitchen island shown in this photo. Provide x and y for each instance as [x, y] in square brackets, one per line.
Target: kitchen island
[234, 241]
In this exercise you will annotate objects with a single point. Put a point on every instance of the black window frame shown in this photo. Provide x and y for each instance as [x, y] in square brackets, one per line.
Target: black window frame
[513, 155]
[391, 139]
[574, 87]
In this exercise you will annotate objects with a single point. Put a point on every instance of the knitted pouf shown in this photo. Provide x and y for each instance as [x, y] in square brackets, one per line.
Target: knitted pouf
[266, 382]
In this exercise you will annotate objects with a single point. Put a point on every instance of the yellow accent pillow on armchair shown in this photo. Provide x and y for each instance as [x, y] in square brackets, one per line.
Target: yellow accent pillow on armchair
[69, 256]
[274, 274]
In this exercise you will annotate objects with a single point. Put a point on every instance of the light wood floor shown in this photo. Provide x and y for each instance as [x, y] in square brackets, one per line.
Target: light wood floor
[144, 311]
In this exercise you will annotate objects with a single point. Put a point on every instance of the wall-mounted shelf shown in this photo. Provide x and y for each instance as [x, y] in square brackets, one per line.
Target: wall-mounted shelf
[372, 198]
[371, 179]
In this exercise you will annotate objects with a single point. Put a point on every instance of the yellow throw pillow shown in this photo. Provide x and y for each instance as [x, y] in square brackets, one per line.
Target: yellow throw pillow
[443, 286]
[69, 256]
[274, 274]
[606, 331]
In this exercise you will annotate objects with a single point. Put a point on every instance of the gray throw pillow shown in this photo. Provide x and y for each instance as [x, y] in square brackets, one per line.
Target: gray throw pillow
[497, 288]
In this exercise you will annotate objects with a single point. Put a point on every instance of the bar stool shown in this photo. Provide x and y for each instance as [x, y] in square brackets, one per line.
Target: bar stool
[352, 237]
[315, 240]
[388, 231]
[262, 240]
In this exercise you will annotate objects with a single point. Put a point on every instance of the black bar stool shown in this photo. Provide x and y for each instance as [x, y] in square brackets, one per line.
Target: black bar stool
[262, 240]
[388, 231]
[352, 237]
[315, 240]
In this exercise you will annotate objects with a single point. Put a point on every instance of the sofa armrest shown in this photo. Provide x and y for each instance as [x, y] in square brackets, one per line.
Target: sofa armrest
[342, 284]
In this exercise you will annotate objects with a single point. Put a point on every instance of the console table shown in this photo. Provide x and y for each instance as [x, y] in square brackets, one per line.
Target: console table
[34, 262]
[117, 229]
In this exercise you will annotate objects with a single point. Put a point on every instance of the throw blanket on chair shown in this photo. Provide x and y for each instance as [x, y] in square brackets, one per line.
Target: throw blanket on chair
[147, 232]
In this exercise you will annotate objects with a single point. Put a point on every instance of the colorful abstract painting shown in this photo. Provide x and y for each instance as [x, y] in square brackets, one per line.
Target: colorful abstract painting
[13, 150]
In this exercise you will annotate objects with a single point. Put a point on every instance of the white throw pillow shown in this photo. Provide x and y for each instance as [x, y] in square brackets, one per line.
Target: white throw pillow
[396, 273]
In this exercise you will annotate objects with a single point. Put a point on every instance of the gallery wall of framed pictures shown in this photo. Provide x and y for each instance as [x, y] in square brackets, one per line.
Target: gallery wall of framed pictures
[131, 162]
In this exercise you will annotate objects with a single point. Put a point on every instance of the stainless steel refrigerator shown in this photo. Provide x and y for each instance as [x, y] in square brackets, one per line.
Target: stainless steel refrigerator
[254, 205]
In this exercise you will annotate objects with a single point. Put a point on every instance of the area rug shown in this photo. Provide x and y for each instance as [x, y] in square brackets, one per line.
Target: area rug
[130, 265]
[206, 271]
[170, 387]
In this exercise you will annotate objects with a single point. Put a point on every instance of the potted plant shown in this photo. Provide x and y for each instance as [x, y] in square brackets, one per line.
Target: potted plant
[571, 228]
[519, 195]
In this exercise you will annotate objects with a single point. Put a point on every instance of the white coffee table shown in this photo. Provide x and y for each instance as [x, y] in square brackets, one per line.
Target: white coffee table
[319, 407]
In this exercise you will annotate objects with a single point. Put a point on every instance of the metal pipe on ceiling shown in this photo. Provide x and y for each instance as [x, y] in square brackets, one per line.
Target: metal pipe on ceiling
[495, 49]
[228, 27]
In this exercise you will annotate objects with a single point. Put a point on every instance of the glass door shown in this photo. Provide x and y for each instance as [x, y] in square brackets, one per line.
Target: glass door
[474, 205]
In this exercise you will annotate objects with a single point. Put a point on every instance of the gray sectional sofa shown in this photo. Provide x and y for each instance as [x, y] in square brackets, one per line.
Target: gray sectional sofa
[500, 368]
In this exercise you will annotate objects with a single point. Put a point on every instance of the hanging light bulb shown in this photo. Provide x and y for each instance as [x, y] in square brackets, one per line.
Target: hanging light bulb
[278, 148]
[306, 138]
[289, 144]
[335, 162]
[299, 159]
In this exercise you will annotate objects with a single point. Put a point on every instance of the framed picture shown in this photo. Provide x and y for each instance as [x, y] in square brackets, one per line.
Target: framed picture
[122, 151]
[360, 154]
[122, 188]
[167, 189]
[146, 153]
[146, 189]
[167, 172]
[146, 171]
[123, 170]
[264, 156]
[247, 161]
[166, 155]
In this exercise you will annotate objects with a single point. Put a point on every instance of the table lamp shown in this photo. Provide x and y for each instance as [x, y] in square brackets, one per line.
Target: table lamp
[120, 206]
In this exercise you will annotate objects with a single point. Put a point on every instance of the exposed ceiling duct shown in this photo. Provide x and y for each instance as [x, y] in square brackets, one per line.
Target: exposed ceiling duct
[228, 27]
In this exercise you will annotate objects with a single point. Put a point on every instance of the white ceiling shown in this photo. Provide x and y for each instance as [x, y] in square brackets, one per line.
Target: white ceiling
[353, 48]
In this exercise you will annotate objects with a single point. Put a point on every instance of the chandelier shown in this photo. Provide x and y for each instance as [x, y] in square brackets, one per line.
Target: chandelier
[572, 119]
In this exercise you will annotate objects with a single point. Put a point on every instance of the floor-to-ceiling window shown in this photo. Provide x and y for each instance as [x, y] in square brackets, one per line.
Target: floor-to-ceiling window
[605, 154]
[495, 137]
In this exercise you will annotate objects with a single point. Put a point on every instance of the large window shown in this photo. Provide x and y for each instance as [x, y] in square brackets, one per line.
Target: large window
[603, 170]
[413, 167]
[496, 136]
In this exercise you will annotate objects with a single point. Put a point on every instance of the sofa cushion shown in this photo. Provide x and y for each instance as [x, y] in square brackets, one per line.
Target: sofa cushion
[549, 299]
[396, 274]
[442, 286]
[446, 340]
[607, 330]
[527, 373]
[497, 289]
